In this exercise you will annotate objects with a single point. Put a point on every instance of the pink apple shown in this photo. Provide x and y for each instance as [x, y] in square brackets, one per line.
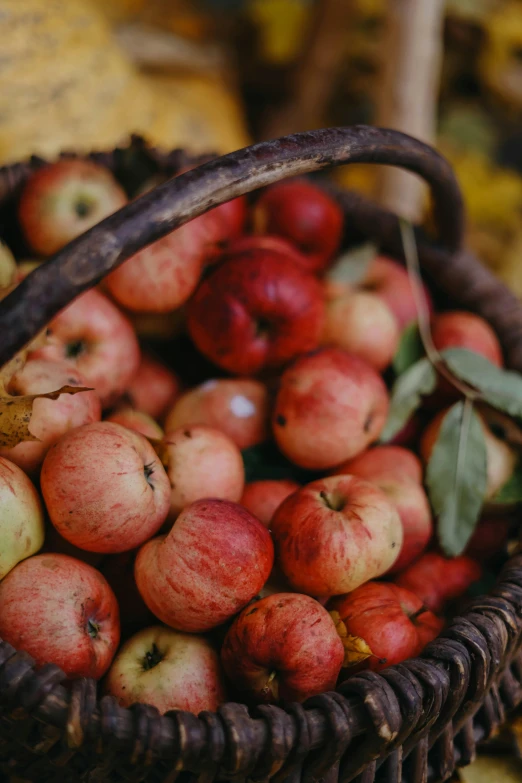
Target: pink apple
[60, 611]
[98, 340]
[335, 534]
[138, 421]
[214, 560]
[391, 282]
[105, 488]
[50, 419]
[459, 329]
[263, 498]
[201, 462]
[236, 406]
[169, 670]
[21, 517]
[153, 388]
[393, 461]
[330, 406]
[283, 648]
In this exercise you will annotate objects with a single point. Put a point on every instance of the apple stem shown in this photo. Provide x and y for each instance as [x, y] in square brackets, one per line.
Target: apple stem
[86, 260]
[152, 658]
[418, 613]
[93, 629]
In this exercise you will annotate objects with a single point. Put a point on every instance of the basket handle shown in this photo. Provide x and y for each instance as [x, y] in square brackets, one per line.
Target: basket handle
[87, 259]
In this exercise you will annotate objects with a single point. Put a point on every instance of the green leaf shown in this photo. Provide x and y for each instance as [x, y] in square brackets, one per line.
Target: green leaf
[410, 349]
[351, 267]
[500, 388]
[456, 477]
[408, 389]
[511, 492]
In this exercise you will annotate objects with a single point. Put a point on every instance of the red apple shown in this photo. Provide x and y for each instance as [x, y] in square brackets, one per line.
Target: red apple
[283, 648]
[60, 611]
[395, 461]
[304, 214]
[118, 570]
[490, 536]
[382, 625]
[236, 406]
[330, 406]
[252, 313]
[169, 670]
[153, 388]
[62, 200]
[362, 324]
[435, 579]
[247, 246]
[263, 498]
[335, 534]
[138, 421]
[215, 559]
[201, 462]
[50, 419]
[105, 488]
[458, 329]
[391, 282]
[98, 340]
[21, 517]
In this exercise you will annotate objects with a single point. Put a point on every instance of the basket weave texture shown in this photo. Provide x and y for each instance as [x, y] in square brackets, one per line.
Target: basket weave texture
[412, 723]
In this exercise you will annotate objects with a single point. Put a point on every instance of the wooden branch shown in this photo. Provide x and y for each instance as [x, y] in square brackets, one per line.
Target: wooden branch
[85, 261]
[408, 92]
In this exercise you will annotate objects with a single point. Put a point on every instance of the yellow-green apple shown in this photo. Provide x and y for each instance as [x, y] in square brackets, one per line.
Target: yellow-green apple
[330, 406]
[22, 529]
[253, 313]
[460, 329]
[153, 388]
[50, 419]
[105, 488]
[436, 579]
[362, 324]
[136, 420]
[214, 560]
[263, 498]
[62, 200]
[304, 214]
[398, 472]
[60, 611]
[201, 462]
[391, 282]
[169, 670]
[335, 534]
[284, 647]
[98, 340]
[382, 625]
[236, 406]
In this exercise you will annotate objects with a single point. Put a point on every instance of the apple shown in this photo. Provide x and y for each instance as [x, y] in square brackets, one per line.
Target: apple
[153, 388]
[409, 435]
[22, 529]
[105, 488]
[436, 579]
[118, 570]
[501, 457]
[282, 648]
[253, 313]
[489, 538]
[385, 624]
[138, 421]
[236, 406]
[306, 215]
[215, 559]
[362, 324]
[335, 534]
[62, 200]
[459, 329]
[92, 335]
[391, 282]
[61, 611]
[330, 406]
[263, 498]
[168, 670]
[398, 473]
[248, 246]
[50, 419]
[202, 462]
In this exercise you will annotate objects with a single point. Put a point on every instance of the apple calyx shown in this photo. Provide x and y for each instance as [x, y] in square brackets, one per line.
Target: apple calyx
[75, 348]
[356, 650]
[417, 614]
[152, 658]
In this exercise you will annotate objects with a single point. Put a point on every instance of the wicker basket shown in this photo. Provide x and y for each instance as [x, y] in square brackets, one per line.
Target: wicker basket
[414, 722]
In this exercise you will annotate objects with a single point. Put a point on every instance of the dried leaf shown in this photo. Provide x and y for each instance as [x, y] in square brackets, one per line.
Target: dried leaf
[456, 477]
[408, 389]
[356, 650]
[351, 267]
[410, 349]
[500, 388]
[15, 414]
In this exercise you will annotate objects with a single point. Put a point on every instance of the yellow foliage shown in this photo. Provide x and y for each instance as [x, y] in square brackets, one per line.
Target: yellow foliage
[500, 63]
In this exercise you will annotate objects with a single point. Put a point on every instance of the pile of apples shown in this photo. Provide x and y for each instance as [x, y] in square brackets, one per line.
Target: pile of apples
[128, 514]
